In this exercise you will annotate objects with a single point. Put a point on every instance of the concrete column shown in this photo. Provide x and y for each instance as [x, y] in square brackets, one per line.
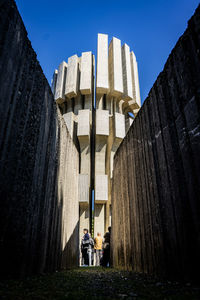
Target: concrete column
[134, 104]
[72, 81]
[102, 84]
[60, 84]
[101, 178]
[101, 197]
[86, 73]
[78, 105]
[115, 74]
[84, 189]
[86, 79]
[83, 107]
[127, 76]
[115, 68]
[135, 81]
[99, 219]
[83, 134]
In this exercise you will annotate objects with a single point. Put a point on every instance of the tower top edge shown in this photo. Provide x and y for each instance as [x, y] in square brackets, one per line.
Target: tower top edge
[86, 52]
[64, 63]
[115, 39]
[132, 53]
[125, 45]
[102, 34]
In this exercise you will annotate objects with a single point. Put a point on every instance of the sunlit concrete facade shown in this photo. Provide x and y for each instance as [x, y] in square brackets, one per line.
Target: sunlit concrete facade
[98, 112]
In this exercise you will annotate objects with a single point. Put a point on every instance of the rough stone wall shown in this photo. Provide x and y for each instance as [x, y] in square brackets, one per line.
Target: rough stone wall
[38, 162]
[156, 183]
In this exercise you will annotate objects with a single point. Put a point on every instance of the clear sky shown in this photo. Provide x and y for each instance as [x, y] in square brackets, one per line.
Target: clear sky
[59, 29]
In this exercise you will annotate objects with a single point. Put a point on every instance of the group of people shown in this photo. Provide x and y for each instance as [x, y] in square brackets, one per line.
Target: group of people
[95, 252]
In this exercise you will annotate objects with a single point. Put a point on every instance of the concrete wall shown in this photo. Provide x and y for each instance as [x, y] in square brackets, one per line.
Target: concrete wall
[156, 179]
[39, 209]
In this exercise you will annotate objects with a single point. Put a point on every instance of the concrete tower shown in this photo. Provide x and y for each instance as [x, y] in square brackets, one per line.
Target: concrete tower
[98, 122]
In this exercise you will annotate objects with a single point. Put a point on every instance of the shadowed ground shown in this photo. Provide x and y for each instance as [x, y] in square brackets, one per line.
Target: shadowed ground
[96, 283]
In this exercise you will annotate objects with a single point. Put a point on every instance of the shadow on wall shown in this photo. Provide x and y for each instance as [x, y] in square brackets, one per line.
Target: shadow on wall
[70, 254]
[36, 178]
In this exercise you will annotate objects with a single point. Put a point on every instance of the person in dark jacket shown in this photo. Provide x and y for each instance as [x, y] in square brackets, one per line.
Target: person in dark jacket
[87, 244]
[106, 249]
[84, 246]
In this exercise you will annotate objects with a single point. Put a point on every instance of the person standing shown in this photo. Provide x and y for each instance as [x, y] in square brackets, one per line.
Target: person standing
[106, 249]
[98, 241]
[85, 246]
[90, 248]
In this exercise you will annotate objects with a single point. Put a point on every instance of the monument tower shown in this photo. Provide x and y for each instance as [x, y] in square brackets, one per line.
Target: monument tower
[97, 113]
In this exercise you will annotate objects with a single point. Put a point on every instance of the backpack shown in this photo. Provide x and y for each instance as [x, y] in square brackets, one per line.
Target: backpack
[85, 243]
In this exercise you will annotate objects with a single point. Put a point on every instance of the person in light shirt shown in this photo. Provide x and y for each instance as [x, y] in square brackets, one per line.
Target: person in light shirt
[98, 241]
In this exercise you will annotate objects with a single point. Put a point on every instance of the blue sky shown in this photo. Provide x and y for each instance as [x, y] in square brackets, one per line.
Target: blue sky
[59, 29]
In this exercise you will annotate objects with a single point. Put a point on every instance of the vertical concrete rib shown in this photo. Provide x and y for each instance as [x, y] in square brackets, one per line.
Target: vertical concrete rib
[71, 87]
[135, 81]
[60, 85]
[115, 74]
[134, 104]
[115, 68]
[86, 73]
[127, 76]
[102, 84]
[83, 133]
[101, 178]
[102, 133]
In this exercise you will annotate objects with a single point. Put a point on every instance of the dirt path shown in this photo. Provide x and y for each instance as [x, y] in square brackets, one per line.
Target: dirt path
[95, 283]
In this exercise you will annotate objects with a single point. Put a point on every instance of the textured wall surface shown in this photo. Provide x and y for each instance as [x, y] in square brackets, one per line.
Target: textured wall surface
[38, 162]
[156, 183]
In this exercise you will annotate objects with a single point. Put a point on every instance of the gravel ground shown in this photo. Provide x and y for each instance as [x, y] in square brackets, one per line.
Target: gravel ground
[96, 283]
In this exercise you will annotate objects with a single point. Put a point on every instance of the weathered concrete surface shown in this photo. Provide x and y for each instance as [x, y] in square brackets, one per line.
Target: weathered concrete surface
[135, 82]
[38, 162]
[72, 80]
[156, 180]
[115, 68]
[102, 81]
[127, 76]
[59, 86]
[86, 73]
